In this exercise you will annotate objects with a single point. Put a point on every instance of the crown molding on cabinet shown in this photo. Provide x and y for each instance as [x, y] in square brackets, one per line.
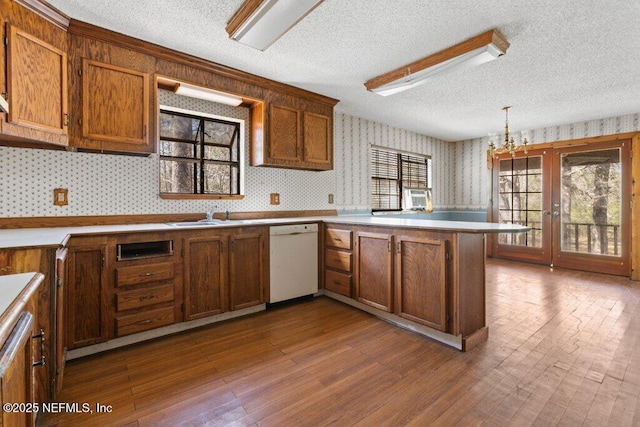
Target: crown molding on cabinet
[170, 55]
[47, 11]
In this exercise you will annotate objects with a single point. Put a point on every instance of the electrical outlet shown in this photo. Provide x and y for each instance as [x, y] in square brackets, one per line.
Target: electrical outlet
[60, 196]
[275, 198]
[330, 199]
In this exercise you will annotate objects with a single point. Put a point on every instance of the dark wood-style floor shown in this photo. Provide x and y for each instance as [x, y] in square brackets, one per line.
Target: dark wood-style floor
[563, 349]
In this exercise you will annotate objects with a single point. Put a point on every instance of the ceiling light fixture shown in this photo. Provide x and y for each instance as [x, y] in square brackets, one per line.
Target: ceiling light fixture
[477, 50]
[206, 94]
[259, 23]
[510, 145]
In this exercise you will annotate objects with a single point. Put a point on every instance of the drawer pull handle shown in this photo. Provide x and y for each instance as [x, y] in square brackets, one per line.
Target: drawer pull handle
[147, 274]
[146, 297]
[145, 322]
[337, 240]
[335, 282]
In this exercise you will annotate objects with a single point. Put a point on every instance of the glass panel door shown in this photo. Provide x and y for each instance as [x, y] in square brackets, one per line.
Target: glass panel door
[590, 208]
[521, 186]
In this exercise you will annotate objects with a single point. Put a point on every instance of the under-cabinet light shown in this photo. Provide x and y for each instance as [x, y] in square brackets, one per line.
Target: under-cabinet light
[207, 94]
[469, 53]
[259, 23]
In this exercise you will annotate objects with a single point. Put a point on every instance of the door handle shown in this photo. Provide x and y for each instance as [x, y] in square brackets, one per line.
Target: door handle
[545, 212]
[556, 213]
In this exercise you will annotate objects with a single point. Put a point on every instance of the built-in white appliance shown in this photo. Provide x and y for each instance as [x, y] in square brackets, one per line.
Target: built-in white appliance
[293, 255]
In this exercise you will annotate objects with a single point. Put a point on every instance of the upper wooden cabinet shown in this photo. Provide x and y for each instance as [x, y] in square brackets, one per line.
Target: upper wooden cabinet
[111, 89]
[299, 134]
[33, 80]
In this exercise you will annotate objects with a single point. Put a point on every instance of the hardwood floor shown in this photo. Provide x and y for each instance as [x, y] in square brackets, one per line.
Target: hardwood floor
[563, 349]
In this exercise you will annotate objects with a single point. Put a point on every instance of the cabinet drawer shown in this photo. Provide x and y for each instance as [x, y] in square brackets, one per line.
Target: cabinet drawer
[338, 282]
[338, 238]
[134, 298]
[340, 260]
[133, 275]
[133, 323]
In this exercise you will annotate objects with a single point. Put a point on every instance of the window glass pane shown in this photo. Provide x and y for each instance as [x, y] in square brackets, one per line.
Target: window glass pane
[217, 179]
[178, 176]
[590, 199]
[216, 153]
[178, 149]
[219, 133]
[175, 126]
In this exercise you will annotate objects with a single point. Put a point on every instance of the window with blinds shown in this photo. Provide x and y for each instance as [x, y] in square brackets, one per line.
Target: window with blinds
[392, 172]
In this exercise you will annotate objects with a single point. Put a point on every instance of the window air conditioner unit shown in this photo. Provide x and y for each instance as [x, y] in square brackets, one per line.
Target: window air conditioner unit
[416, 199]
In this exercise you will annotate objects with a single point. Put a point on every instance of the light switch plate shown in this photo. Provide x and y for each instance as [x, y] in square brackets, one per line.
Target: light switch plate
[275, 198]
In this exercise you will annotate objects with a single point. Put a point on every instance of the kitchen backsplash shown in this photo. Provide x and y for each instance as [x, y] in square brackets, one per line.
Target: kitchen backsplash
[102, 184]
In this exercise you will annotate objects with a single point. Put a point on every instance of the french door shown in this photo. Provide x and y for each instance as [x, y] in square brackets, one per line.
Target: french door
[575, 199]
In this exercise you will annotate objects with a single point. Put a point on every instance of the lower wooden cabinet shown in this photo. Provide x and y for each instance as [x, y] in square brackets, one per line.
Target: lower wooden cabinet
[21, 356]
[374, 269]
[16, 373]
[248, 259]
[86, 305]
[420, 280]
[205, 275]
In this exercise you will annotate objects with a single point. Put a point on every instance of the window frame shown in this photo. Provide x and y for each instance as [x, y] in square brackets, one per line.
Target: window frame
[401, 156]
[240, 162]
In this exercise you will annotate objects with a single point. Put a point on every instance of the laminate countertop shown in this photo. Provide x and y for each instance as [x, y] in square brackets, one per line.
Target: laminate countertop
[56, 237]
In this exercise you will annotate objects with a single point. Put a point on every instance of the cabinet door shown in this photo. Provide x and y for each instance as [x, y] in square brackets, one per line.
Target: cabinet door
[111, 86]
[16, 372]
[85, 297]
[205, 267]
[285, 141]
[36, 89]
[318, 141]
[60, 336]
[247, 263]
[420, 279]
[374, 270]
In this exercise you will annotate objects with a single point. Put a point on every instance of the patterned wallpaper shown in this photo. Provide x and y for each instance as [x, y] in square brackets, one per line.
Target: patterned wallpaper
[353, 139]
[471, 175]
[101, 184]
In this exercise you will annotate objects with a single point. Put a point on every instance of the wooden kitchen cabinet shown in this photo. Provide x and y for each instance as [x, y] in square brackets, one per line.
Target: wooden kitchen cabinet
[299, 134]
[16, 261]
[247, 267]
[205, 275]
[60, 320]
[421, 280]
[374, 269]
[16, 372]
[86, 305]
[112, 87]
[21, 353]
[144, 284]
[338, 260]
[33, 80]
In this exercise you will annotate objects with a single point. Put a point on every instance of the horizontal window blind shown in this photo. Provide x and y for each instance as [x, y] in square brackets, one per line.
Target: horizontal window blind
[391, 172]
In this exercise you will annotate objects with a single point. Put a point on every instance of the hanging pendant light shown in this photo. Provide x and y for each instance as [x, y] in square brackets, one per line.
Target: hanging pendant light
[511, 143]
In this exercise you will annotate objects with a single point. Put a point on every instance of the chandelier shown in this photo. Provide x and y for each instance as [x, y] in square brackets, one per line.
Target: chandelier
[510, 144]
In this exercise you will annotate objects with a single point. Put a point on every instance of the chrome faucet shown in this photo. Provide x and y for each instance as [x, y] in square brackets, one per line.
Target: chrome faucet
[211, 212]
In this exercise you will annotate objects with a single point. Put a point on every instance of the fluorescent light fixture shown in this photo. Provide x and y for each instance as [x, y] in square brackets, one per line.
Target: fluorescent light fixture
[206, 94]
[470, 53]
[259, 23]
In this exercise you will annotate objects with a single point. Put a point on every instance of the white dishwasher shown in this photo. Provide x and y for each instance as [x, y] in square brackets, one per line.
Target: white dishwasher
[293, 261]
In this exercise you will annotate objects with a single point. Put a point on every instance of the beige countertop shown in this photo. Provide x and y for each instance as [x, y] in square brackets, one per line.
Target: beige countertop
[55, 237]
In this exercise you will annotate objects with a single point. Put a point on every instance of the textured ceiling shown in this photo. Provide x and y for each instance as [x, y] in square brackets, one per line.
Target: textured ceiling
[569, 60]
